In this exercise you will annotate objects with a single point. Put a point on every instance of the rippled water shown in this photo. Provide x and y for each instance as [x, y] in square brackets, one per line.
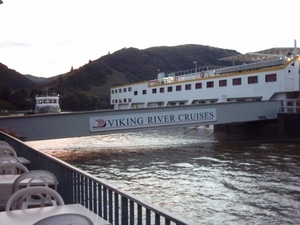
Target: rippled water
[203, 178]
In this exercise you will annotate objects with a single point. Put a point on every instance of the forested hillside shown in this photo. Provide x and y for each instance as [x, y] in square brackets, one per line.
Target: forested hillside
[87, 88]
[138, 65]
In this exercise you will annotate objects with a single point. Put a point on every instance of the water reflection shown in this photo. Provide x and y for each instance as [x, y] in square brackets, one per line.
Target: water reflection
[200, 178]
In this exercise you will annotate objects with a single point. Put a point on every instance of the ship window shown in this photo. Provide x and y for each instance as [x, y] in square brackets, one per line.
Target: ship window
[124, 100]
[154, 91]
[129, 89]
[181, 103]
[188, 87]
[116, 91]
[178, 88]
[252, 80]
[124, 89]
[222, 83]
[162, 90]
[210, 84]
[271, 77]
[170, 89]
[144, 92]
[120, 100]
[129, 100]
[198, 85]
[120, 90]
[236, 81]
[112, 91]
[135, 93]
[54, 101]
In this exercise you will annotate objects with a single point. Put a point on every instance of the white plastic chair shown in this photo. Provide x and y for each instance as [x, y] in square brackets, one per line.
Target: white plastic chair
[12, 168]
[35, 178]
[65, 219]
[8, 158]
[32, 177]
[4, 143]
[19, 200]
[6, 150]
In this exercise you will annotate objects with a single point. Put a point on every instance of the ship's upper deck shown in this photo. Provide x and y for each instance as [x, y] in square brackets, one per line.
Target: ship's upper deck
[250, 61]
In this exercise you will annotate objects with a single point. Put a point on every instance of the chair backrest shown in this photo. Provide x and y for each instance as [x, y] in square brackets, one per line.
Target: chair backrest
[4, 143]
[12, 168]
[8, 158]
[6, 150]
[65, 219]
[35, 178]
[17, 200]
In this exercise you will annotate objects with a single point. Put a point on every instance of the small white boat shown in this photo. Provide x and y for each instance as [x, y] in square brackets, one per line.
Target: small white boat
[47, 104]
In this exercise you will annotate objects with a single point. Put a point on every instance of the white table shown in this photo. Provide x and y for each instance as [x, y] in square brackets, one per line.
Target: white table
[6, 182]
[31, 216]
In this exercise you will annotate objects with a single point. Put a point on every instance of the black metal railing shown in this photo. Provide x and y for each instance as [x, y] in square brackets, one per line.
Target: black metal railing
[77, 186]
[289, 106]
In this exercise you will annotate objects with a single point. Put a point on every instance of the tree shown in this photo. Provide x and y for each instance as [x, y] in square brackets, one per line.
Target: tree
[21, 101]
[79, 101]
[5, 94]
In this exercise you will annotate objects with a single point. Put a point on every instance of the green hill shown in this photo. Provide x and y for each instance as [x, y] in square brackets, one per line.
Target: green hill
[13, 80]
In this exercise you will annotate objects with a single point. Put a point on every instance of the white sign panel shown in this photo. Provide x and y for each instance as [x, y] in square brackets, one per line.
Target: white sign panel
[154, 119]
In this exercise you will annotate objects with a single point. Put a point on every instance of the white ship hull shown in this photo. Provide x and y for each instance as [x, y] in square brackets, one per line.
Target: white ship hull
[47, 109]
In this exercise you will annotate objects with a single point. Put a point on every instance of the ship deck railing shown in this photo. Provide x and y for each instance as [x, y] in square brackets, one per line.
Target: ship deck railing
[289, 106]
[77, 186]
[208, 71]
[251, 66]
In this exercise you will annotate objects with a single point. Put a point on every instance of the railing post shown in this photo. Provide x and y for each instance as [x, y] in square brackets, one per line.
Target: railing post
[117, 211]
[124, 210]
[148, 217]
[110, 206]
[104, 202]
[140, 216]
[131, 212]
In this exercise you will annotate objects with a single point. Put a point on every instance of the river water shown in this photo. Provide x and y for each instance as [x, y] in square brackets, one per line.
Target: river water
[204, 177]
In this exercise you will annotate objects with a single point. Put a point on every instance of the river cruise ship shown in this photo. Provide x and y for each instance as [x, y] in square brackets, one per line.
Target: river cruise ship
[271, 74]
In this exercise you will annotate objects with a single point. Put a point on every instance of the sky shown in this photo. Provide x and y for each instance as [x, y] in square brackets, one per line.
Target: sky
[48, 38]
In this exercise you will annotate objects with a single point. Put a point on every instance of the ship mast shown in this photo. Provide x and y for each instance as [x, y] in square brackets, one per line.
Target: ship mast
[295, 48]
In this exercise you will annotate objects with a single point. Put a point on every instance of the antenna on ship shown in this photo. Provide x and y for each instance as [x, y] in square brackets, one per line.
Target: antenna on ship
[295, 48]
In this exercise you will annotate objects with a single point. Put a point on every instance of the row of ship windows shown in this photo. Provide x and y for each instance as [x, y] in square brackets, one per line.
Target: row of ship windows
[120, 90]
[47, 101]
[124, 100]
[209, 84]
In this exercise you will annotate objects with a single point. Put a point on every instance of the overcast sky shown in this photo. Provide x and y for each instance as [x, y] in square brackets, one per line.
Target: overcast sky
[47, 38]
